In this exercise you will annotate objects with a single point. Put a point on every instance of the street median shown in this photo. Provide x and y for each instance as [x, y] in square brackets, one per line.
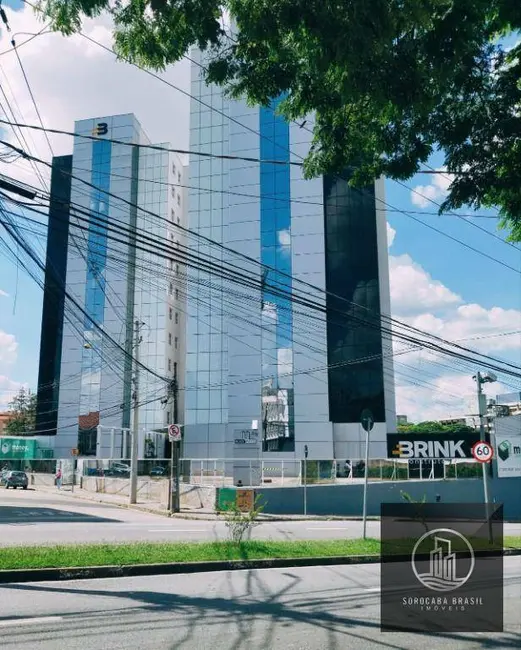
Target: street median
[51, 563]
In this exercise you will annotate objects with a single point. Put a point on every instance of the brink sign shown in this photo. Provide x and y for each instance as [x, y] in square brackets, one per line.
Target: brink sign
[431, 446]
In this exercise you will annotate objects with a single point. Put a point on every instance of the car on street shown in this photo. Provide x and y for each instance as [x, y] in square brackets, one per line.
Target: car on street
[16, 479]
[158, 471]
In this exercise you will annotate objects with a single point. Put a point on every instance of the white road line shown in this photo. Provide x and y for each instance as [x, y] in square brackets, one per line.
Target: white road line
[174, 530]
[327, 528]
[13, 622]
[375, 589]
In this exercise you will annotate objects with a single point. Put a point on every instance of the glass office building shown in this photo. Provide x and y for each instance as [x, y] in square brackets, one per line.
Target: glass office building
[300, 371]
[110, 188]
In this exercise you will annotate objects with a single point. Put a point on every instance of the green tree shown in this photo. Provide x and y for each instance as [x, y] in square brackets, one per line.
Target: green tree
[23, 410]
[388, 81]
[434, 427]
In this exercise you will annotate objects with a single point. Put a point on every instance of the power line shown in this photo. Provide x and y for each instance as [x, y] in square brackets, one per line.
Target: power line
[319, 306]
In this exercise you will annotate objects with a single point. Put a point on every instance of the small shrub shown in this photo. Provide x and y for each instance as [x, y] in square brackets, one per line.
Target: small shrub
[420, 510]
[239, 523]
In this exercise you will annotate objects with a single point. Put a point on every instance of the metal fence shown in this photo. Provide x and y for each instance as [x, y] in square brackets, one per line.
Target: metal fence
[222, 472]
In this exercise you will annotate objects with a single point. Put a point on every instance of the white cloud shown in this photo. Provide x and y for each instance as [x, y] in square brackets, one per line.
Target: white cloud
[3, 293]
[413, 290]
[423, 195]
[74, 79]
[8, 348]
[449, 395]
[391, 232]
[8, 390]
[430, 386]
[284, 237]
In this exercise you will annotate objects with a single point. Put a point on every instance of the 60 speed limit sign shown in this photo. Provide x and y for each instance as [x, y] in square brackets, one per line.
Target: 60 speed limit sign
[482, 452]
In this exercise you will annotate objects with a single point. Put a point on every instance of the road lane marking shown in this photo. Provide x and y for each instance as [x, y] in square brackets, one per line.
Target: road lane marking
[327, 528]
[174, 530]
[13, 622]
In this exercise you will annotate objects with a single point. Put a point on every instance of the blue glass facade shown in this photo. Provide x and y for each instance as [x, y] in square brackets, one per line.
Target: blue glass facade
[94, 295]
[275, 227]
[97, 245]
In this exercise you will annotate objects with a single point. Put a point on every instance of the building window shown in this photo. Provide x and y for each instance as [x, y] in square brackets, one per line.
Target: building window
[178, 177]
[172, 214]
[170, 313]
[173, 168]
[178, 199]
[171, 289]
[173, 192]
[177, 294]
[177, 269]
[175, 342]
[172, 236]
[176, 318]
[169, 365]
[178, 220]
[175, 369]
[169, 339]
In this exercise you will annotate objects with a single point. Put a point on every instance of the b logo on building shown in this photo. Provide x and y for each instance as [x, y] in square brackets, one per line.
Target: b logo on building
[102, 128]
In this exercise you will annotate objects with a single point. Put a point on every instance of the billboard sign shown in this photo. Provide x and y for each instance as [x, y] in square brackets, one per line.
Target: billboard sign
[508, 452]
[437, 446]
[17, 448]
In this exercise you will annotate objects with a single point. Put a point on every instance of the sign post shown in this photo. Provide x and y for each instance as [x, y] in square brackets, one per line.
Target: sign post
[174, 436]
[367, 422]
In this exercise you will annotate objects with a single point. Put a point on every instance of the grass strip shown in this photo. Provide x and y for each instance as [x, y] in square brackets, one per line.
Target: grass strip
[40, 557]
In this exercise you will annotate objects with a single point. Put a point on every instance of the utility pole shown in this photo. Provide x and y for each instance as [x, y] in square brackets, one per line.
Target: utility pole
[175, 456]
[488, 377]
[135, 420]
[479, 382]
[306, 452]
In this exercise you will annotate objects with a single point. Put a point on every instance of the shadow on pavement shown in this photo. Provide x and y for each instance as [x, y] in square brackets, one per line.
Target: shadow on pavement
[339, 613]
[37, 515]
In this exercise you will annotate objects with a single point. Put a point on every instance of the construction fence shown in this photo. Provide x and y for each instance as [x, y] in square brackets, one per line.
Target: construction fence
[219, 472]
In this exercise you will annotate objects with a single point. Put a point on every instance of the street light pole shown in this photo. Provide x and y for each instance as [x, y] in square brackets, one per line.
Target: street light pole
[135, 420]
[479, 382]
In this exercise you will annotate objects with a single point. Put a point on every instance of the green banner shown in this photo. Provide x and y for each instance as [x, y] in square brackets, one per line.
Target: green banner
[17, 449]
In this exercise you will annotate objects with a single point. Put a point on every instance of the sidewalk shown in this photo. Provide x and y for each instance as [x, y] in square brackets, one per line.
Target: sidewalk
[186, 513]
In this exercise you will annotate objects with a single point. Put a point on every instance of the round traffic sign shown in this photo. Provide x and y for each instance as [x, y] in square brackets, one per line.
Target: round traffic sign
[367, 420]
[482, 452]
[174, 432]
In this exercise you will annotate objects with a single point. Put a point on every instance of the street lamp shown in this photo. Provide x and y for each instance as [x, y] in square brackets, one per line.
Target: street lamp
[480, 379]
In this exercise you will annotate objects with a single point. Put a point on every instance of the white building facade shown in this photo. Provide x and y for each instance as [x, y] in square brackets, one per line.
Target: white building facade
[116, 190]
[291, 341]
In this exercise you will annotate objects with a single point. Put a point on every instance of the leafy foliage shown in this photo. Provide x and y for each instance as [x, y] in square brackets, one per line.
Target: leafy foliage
[23, 409]
[434, 427]
[240, 523]
[388, 81]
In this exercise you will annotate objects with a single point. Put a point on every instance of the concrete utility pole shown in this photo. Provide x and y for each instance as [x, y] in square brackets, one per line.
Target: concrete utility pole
[488, 377]
[175, 456]
[135, 420]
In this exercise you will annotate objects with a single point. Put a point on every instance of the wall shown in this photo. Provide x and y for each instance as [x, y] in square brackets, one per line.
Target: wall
[346, 500]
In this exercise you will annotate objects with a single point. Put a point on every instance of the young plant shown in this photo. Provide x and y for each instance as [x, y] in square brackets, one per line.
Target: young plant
[239, 522]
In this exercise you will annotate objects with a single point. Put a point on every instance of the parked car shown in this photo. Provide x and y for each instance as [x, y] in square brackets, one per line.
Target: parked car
[16, 479]
[158, 471]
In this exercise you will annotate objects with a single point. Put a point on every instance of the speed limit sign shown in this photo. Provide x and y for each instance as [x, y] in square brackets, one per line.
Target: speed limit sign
[482, 452]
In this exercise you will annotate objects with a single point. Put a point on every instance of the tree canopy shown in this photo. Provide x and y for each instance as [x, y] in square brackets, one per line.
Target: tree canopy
[388, 82]
[435, 427]
[23, 413]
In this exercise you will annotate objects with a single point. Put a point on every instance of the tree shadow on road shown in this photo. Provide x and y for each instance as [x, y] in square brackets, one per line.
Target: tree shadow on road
[338, 613]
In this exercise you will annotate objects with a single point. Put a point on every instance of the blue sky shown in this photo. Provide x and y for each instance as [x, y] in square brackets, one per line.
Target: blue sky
[424, 257]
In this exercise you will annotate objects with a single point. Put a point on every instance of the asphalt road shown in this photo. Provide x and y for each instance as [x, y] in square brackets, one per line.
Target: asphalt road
[314, 608]
[42, 518]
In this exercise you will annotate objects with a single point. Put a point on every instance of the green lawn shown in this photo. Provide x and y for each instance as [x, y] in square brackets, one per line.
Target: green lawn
[39, 557]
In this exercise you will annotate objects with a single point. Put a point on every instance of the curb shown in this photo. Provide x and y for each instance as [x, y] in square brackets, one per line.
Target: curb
[136, 570]
[204, 516]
